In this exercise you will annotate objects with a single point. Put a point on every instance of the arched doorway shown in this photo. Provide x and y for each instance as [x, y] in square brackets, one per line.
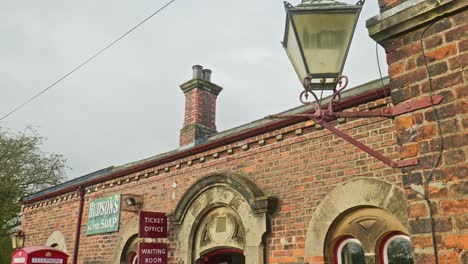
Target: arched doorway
[223, 256]
[222, 212]
[220, 237]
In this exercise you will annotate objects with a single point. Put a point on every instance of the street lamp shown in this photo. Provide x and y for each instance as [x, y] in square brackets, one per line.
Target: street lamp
[317, 38]
[17, 239]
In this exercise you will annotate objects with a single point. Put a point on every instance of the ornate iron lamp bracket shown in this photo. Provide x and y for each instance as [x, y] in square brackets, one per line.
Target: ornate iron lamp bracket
[323, 116]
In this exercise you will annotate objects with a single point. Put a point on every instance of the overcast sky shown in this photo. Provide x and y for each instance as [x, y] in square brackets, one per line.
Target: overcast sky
[126, 105]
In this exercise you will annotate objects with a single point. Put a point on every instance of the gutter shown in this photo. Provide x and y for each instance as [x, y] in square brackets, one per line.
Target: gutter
[346, 103]
[81, 194]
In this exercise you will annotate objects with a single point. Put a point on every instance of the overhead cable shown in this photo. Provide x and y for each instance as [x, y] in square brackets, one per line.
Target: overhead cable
[85, 62]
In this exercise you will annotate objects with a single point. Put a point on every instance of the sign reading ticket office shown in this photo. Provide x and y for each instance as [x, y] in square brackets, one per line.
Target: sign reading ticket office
[104, 215]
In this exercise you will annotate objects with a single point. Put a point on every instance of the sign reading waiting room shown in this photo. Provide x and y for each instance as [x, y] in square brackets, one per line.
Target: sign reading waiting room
[152, 253]
[104, 215]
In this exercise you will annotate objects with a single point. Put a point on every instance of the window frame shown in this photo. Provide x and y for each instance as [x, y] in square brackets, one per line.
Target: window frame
[383, 248]
[340, 245]
[134, 258]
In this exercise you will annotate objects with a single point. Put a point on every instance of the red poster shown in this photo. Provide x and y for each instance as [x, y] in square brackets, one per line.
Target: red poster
[152, 225]
[152, 253]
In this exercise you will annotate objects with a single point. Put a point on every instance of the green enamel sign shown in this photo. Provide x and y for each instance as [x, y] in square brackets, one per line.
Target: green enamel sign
[104, 215]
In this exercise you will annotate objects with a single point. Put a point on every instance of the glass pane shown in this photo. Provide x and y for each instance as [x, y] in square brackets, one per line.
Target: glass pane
[352, 253]
[399, 251]
[294, 54]
[324, 38]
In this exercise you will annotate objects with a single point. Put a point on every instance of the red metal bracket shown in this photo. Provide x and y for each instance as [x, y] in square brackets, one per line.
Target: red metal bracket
[390, 111]
[416, 105]
[375, 154]
[322, 116]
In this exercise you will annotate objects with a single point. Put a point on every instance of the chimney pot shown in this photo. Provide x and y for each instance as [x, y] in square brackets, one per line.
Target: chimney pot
[207, 75]
[197, 72]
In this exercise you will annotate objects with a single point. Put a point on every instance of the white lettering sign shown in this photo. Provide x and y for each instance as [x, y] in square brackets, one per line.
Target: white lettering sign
[19, 260]
[47, 260]
[153, 260]
[103, 215]
[158, 251]
[106, 207]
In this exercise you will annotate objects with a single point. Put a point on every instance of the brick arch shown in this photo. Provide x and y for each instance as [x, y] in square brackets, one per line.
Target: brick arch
[355, 193]
[215, 191]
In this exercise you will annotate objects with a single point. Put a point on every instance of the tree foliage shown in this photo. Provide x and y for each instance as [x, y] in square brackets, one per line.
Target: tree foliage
[24, 169]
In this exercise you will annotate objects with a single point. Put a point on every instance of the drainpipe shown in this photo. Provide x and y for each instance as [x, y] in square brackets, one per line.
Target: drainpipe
[80, 193]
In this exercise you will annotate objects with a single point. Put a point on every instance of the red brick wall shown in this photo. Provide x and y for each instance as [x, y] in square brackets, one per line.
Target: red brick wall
[446, 46]
[299, 164]
[199, 117]
[200, 107]
[56, 215]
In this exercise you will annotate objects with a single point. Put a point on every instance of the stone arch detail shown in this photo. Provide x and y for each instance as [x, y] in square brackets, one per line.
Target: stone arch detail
[358, 192]
[258, 201]
[58, 239]
[216, 191]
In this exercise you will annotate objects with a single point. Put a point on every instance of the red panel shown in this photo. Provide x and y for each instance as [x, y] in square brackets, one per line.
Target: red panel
[39, 255]
[152, 225]
[152, 253]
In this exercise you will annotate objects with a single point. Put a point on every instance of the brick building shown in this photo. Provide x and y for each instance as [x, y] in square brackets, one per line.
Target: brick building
[290, 191]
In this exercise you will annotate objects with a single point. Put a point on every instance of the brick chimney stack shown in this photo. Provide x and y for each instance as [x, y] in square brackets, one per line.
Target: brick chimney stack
[200, 107]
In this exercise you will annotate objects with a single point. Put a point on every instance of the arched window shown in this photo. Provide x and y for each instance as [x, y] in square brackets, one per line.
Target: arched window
[349, 251]
[129, 252]
[396, 249]
[364, 229]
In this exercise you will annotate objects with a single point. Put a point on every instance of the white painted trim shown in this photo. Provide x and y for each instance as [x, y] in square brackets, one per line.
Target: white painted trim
[341, 246]
[387, 243]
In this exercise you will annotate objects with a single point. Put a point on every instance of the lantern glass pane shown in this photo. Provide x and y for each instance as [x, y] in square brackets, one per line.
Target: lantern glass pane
[13, 242]
[294, 53]
[324, 38]
[19, 241]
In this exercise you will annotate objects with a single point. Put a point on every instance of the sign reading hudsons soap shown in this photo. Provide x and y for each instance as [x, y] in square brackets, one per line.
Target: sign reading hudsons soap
[104, 215]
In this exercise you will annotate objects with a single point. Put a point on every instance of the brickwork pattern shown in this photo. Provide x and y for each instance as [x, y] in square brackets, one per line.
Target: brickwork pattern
[200, 107]
[446, 44]
[199, 117]
[298, 164]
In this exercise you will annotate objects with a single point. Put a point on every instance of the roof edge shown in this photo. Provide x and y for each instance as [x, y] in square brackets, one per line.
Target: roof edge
[356, 95]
